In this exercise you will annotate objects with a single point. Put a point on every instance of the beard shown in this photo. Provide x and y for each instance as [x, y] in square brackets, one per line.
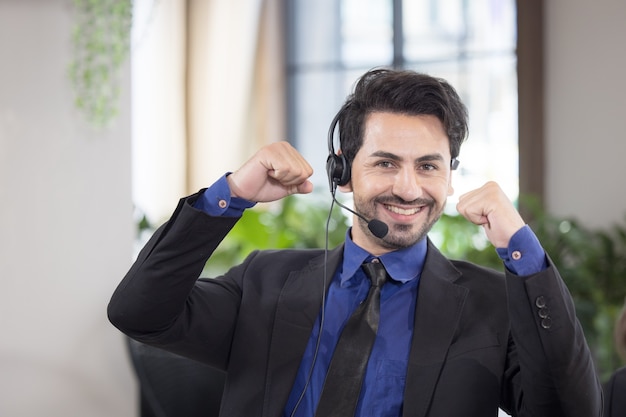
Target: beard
[400, 235]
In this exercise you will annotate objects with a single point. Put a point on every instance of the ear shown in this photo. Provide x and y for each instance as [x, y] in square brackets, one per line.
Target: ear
[347, 188]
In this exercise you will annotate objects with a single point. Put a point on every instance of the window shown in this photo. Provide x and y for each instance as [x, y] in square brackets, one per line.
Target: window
[471, 44]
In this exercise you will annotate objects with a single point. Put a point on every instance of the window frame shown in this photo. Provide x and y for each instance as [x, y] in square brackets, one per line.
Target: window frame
[530, 89]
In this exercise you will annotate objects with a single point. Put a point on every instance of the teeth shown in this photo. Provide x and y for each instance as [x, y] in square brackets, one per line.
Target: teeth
[404, 212]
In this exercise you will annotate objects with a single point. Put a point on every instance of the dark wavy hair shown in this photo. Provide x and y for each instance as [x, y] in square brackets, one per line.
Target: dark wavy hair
[404, 92]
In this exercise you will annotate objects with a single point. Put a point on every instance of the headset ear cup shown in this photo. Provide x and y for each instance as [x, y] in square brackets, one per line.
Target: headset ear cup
[337, 166]
[338, 170]
[344, 178]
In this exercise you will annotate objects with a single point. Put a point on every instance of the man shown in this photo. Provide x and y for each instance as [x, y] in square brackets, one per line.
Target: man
[453, 339]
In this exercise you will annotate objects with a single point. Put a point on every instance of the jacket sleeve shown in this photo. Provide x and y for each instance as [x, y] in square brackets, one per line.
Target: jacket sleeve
[160, 300]
[556, 375]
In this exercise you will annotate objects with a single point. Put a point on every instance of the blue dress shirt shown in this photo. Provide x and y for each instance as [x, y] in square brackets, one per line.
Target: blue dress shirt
[383, 386]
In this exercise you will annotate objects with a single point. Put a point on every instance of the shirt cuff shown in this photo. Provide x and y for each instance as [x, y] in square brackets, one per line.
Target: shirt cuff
[216, 200]
[525, 255]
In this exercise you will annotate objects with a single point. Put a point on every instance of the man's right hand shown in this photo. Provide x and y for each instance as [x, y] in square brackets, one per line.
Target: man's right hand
[273, 172]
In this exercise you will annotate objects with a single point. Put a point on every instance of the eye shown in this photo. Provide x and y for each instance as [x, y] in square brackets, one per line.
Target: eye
[385, 164]
[428, 167]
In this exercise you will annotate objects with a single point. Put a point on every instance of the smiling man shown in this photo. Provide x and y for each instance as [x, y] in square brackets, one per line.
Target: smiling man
[401, 175]
[383, 325]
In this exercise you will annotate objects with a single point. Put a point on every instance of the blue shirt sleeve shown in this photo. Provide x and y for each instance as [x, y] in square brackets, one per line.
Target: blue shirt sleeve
[216, 200]
[525, 255]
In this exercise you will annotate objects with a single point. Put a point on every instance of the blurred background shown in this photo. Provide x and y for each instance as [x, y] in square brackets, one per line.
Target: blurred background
[111, 110]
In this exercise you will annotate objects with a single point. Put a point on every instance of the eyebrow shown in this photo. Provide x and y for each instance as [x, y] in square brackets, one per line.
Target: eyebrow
[394, 157]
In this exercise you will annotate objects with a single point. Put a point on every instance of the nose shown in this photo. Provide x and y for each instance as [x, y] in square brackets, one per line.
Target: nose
[407, 184]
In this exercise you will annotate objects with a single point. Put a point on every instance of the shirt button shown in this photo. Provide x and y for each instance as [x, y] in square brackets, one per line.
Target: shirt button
[516, 255]
[222, 203]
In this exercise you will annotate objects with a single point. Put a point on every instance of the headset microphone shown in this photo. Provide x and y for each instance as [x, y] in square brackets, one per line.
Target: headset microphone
[377, 227]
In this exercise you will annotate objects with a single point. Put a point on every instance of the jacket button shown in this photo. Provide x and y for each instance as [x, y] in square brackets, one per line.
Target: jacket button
[544, 313]
[546, 323]
[540, 301]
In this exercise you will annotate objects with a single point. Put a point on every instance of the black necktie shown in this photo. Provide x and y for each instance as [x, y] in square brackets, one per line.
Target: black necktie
[347, 367]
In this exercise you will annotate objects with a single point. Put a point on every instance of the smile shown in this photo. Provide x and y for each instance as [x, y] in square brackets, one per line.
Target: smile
[402, 211]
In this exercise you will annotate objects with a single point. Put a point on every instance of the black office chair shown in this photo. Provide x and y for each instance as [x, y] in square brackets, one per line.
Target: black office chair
[175, 386]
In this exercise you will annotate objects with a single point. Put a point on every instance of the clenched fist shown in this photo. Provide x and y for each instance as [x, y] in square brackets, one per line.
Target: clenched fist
[274, 172]
[489, 207]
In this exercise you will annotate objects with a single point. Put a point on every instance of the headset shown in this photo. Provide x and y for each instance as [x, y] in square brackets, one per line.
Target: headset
[338, 170]
[337, 166]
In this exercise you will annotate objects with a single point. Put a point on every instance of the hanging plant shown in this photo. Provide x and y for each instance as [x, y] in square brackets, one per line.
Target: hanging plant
[101, 43]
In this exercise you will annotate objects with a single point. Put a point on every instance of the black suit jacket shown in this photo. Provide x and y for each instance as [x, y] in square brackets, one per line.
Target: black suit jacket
[479, 341]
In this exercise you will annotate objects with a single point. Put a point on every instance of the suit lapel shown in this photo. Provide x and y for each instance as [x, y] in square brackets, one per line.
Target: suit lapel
[439, 307]
[296, 314]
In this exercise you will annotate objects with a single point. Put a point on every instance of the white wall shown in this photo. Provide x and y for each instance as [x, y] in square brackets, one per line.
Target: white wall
[66, 228]
[586, 110]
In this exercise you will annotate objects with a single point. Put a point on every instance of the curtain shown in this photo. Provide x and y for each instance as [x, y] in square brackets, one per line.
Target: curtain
[158, 106]
[208, 91]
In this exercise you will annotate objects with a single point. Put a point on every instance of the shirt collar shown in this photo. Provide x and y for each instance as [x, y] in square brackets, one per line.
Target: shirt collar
[402, 265]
